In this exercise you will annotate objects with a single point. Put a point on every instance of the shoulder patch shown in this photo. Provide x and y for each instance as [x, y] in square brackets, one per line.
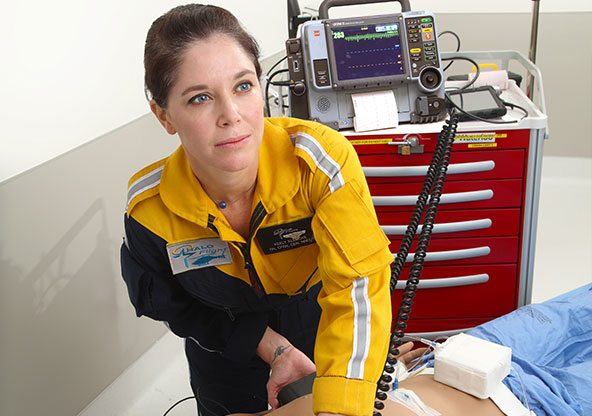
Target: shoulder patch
[143, 181]
[197, 254]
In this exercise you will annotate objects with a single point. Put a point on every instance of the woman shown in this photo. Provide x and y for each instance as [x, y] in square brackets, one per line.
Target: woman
[237, 238]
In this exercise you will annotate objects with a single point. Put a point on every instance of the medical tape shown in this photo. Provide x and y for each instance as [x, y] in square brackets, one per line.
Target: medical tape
[508, 403]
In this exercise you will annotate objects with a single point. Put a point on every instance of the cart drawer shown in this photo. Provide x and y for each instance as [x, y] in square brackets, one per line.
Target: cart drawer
[500, 164]
[458, 223]
[433, 328]
[504, 193]
[453, 251]
[372, 144]
[461, 291]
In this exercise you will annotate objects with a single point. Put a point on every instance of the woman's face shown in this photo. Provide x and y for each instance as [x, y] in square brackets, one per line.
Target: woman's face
[216, 107]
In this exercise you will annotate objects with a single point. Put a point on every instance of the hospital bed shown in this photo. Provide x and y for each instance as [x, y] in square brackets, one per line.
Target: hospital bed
[551, 356]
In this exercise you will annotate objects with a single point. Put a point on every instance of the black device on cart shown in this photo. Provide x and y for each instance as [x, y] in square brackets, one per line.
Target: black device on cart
[482, 102]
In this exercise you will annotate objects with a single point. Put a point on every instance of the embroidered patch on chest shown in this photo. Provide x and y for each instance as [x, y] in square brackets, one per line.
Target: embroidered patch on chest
[191, 255]
[286, 236]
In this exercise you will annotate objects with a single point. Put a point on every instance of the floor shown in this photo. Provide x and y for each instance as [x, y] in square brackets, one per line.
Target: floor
[562, 263]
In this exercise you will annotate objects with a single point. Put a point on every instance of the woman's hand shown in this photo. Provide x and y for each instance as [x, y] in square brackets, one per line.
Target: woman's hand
[287, 368]
[288, 364]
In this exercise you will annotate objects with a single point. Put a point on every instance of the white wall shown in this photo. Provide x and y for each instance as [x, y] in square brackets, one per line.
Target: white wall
[67, 328]
[72, 69]
[467, 6]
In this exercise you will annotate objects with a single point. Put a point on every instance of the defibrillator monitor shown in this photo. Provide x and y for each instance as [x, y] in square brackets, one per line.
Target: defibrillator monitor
[335, 58]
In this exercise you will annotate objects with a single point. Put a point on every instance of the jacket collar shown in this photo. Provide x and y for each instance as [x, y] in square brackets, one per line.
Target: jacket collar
[181, 191]
[277, 179]
[279, 170]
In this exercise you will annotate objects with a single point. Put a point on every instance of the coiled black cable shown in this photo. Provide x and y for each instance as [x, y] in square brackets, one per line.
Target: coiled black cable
[417, 213]
[432, 188]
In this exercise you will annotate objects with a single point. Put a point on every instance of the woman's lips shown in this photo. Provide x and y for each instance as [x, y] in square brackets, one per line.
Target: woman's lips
[234, 141]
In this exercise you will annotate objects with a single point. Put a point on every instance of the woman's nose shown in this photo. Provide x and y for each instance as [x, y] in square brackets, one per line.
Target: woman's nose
[229, 111]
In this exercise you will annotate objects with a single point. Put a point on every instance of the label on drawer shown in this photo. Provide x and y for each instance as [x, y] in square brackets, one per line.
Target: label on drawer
[481, 145]
[485, 137]
[357, 142]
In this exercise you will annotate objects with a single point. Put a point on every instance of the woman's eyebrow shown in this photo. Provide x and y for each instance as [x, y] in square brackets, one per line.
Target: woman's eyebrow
[195, 88]
[244, 72]
[201, 87]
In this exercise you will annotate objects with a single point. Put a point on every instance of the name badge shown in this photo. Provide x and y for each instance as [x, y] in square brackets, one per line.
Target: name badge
[191, 255]
[286, 236]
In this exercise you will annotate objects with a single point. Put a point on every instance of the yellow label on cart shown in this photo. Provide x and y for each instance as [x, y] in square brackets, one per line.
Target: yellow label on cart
[370, 141]
[481, 145]
[488, 137]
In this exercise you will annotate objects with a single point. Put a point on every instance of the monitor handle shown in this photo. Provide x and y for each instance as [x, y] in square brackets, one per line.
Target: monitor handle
[327, 4]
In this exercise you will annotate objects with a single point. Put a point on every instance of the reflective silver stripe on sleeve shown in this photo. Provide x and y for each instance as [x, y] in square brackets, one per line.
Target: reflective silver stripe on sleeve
[362, 328]
[150, 180]
[202, 347]
[321, 158]
[192, 339]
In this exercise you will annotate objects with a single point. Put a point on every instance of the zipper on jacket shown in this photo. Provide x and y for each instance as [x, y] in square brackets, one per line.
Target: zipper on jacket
[259, 214]
[255, 281]
[257, 217]
[230, 314]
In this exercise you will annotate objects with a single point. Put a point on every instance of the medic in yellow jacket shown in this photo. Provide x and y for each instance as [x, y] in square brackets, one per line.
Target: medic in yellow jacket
[312, 220]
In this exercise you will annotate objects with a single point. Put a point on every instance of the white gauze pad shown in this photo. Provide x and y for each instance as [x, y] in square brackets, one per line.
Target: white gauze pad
[471, 364]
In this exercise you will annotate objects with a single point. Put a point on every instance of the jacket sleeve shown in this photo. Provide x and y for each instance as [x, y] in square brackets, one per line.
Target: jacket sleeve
[353, 335]
[155, 293]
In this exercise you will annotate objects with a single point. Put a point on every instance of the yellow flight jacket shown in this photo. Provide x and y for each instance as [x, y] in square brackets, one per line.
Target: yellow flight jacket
[312, 220]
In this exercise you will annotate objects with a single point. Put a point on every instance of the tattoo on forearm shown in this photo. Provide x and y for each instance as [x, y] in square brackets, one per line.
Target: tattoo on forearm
[279, 351]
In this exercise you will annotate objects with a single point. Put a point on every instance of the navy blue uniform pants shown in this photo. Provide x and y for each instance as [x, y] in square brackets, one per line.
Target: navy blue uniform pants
[222, 386]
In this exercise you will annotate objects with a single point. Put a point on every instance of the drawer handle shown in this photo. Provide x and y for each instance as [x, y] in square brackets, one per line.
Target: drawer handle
[438, 334]
[447, 282]
[454, 168]
[467, 253]
[450, 227]
[451, 198]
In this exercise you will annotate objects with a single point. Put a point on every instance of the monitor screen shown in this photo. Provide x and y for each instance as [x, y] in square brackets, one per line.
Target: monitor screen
[367, 51]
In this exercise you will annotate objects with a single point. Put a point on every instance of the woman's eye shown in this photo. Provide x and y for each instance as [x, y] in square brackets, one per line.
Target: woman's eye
[201, 98]
[245, 86]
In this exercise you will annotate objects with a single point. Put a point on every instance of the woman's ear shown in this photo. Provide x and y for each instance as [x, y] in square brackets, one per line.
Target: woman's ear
[161, 115]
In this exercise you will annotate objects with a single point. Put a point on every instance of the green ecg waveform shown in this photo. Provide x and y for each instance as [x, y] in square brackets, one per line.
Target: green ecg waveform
[371, 36]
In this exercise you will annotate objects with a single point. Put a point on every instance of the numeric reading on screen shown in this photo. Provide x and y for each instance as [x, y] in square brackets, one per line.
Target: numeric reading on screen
[367, 51]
